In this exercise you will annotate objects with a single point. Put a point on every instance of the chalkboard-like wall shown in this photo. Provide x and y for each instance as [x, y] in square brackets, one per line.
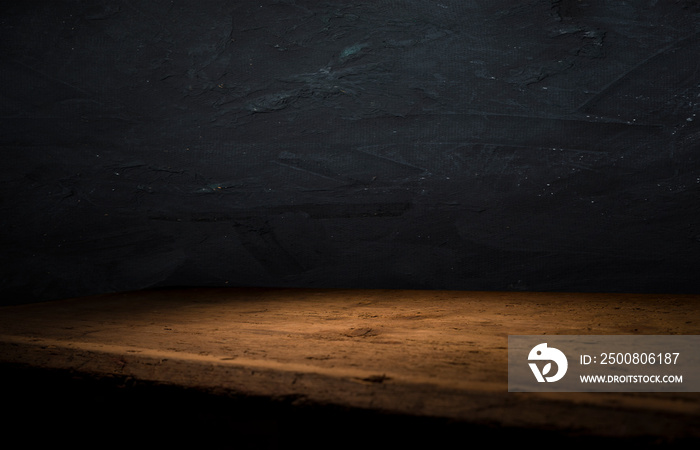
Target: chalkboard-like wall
[451, 144]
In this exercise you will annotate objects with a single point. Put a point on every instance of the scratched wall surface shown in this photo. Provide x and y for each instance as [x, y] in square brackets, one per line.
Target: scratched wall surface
[451, 144]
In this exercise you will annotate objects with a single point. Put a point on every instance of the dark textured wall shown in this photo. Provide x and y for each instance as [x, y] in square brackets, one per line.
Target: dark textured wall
[450, 144]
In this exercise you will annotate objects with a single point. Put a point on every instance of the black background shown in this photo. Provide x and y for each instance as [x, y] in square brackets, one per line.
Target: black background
[452, 144]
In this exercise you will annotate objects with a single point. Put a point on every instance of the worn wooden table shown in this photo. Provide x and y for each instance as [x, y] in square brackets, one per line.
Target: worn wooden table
[436, 354]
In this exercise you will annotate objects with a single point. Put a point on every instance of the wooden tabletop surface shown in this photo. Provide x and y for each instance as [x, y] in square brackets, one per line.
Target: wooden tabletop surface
[423, 353]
